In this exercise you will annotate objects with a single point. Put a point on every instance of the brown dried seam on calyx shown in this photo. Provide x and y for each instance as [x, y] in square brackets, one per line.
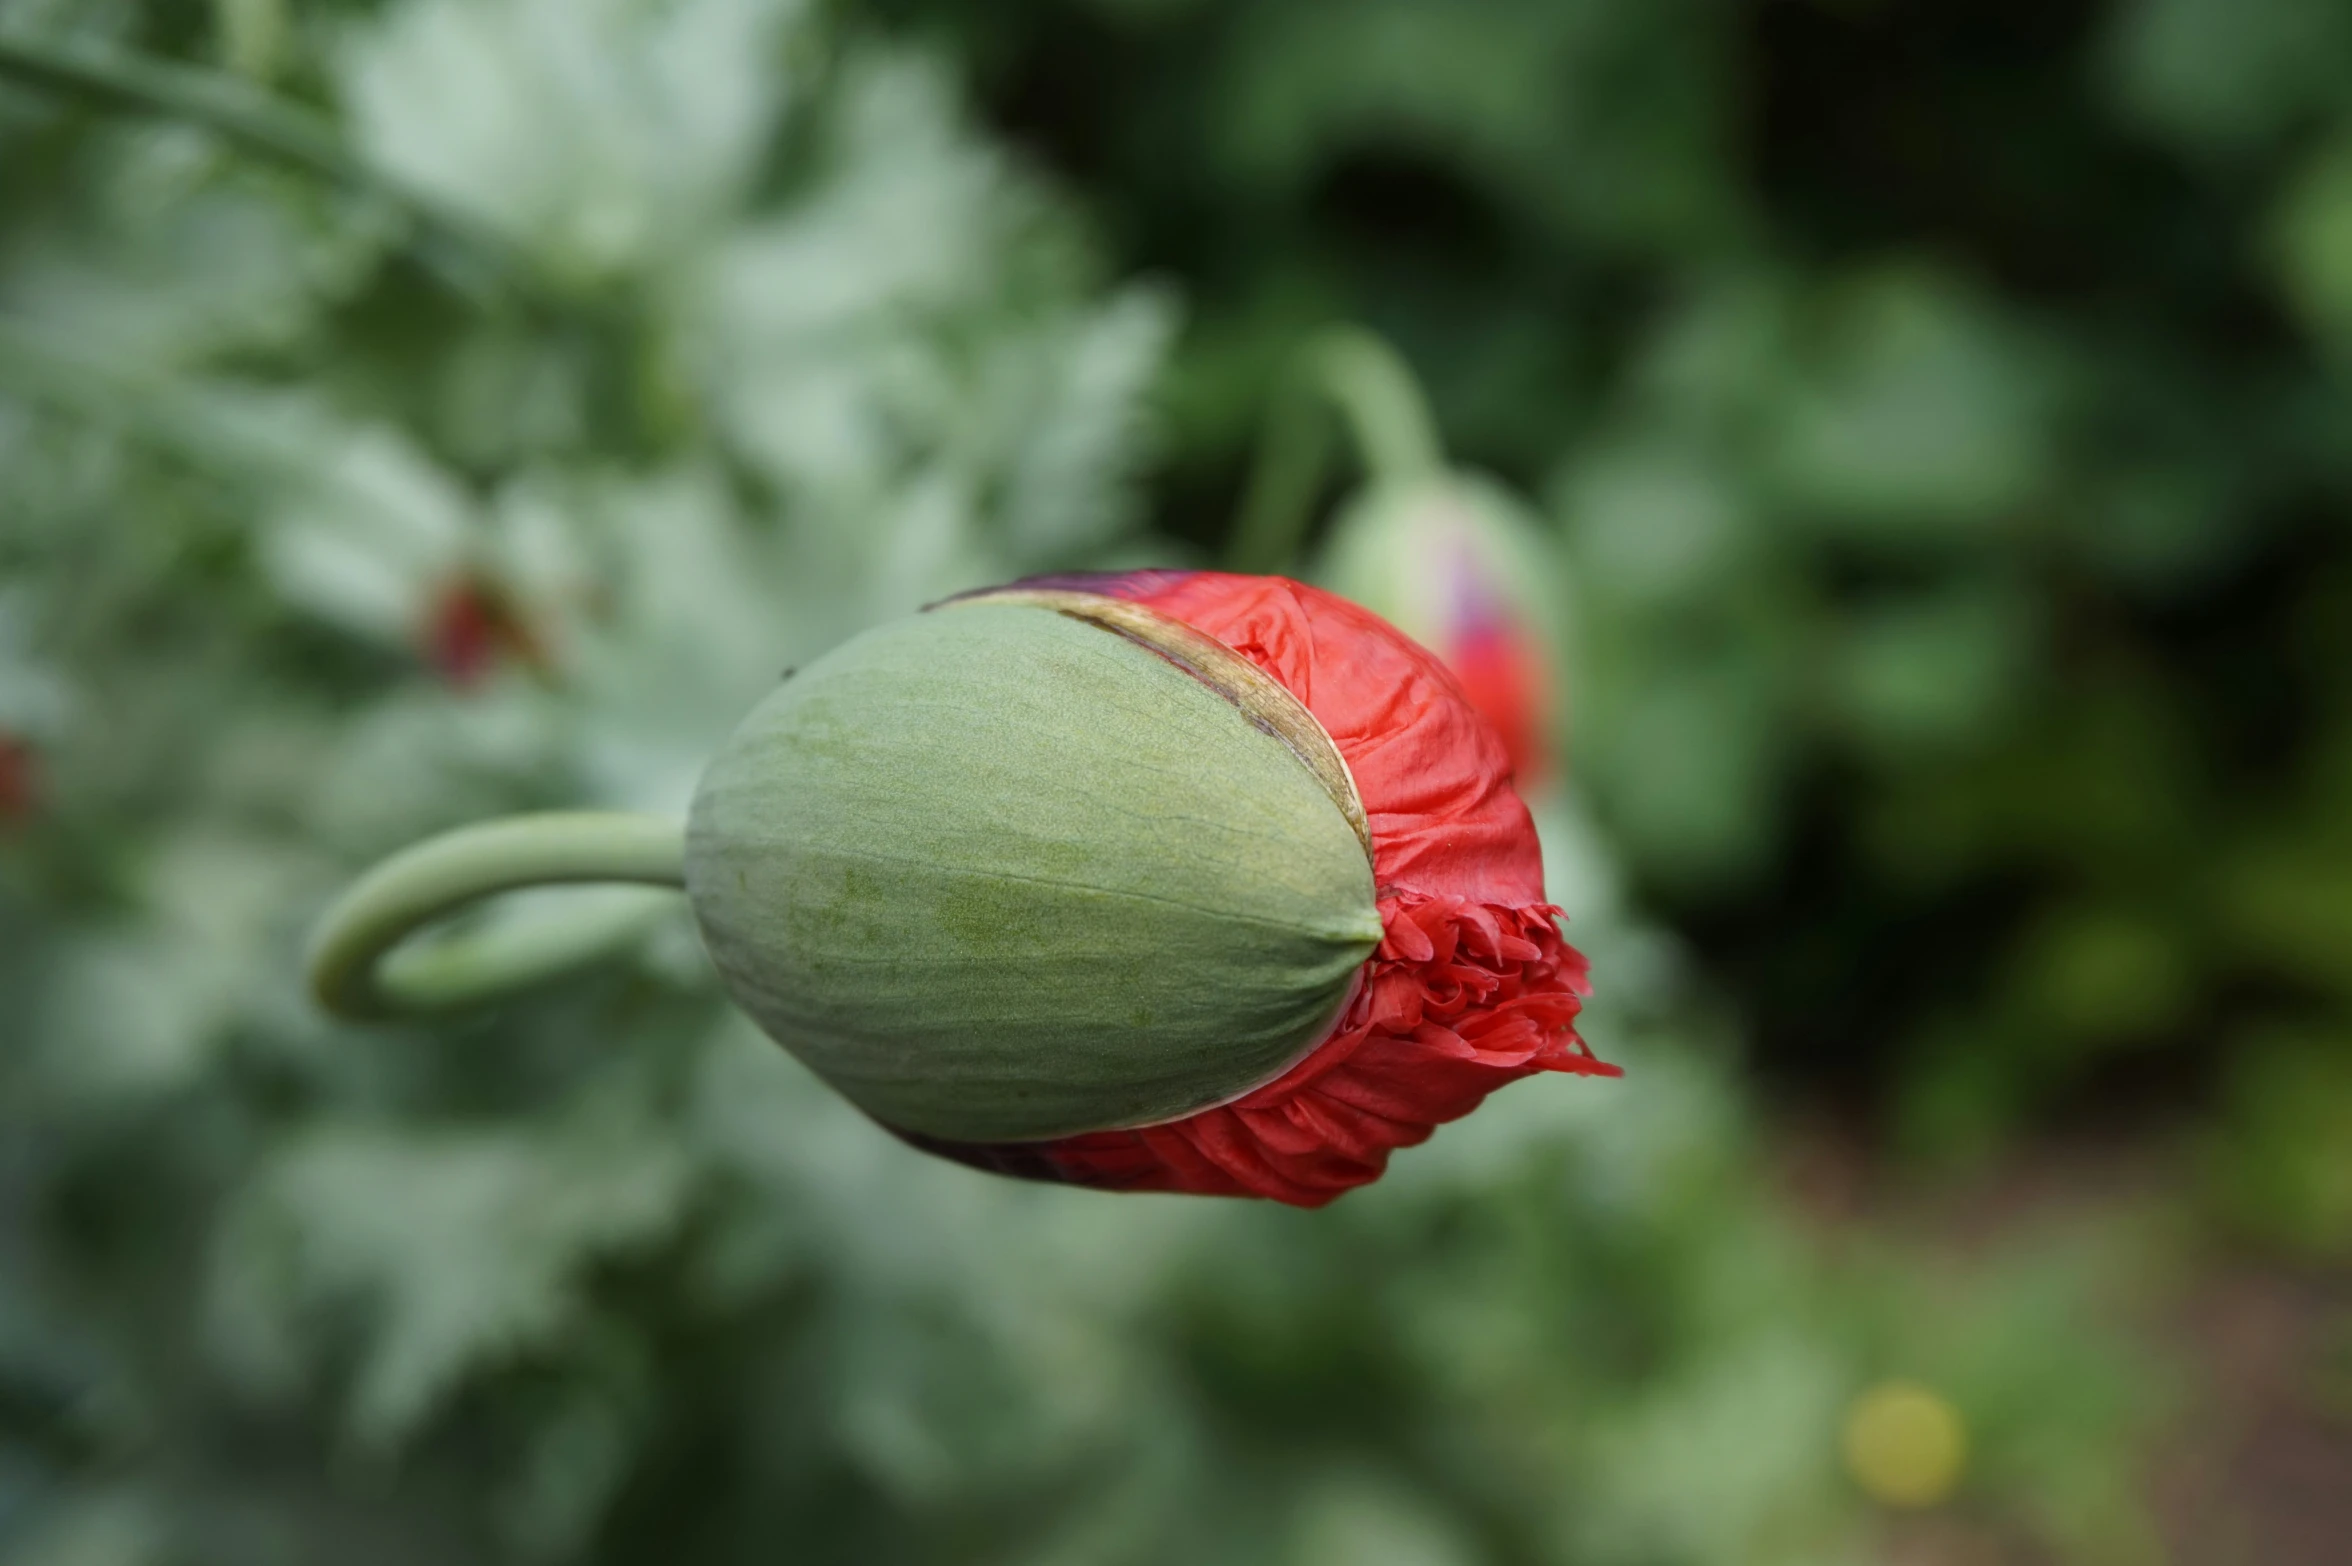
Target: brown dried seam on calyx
[1265, 701]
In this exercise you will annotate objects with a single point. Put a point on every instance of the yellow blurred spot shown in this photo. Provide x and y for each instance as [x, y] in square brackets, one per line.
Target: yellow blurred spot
[1904, 1444]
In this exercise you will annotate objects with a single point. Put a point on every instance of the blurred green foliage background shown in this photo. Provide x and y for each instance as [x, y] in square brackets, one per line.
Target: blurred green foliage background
[412, 411]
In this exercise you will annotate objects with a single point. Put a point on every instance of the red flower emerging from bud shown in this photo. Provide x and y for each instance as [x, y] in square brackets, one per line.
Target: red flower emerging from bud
[1471, 986]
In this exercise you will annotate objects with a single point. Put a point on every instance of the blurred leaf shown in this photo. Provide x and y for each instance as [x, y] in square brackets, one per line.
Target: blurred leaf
[456, 1251]
[2228, 75]
[1922, 414]
[2281, 1159]
[1931, 674]
[2314, 244]
[600, 133]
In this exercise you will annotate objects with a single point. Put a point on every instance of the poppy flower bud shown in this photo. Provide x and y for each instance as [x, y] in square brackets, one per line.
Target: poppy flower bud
[1169, 881]
[1446, 555]
[1457, 563]
[1175, 881]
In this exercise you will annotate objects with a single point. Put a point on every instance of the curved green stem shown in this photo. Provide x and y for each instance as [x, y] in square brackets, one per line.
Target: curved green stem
[1383, 404]
[1292, 454]
[355, 972]
[1374, 392]
[470, 256]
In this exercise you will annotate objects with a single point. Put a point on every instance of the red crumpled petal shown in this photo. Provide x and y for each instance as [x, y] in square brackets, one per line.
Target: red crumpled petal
[1471, 987]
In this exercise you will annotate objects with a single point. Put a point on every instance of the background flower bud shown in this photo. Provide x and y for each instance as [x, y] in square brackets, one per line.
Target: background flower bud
[999, 874]
[1455, 562]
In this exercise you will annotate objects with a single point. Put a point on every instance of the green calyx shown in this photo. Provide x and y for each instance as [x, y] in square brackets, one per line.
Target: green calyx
[1017, 869]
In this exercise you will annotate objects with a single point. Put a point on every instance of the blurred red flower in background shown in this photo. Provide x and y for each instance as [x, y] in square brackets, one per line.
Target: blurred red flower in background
[20, 781]
[470, 627]
[1500, 665]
